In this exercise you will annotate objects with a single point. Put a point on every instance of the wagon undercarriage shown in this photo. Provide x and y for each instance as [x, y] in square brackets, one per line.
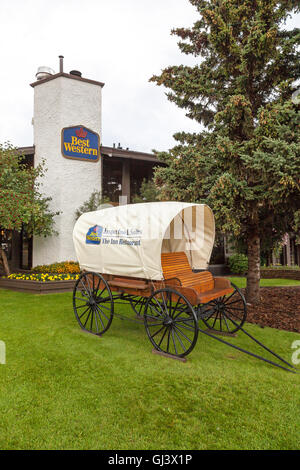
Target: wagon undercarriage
[153, 257]
[172, 323]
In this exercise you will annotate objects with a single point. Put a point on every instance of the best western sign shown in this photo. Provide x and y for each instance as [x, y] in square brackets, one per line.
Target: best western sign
[80, 143]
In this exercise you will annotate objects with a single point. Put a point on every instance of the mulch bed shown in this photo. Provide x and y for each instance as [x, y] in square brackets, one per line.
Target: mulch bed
[279, 307]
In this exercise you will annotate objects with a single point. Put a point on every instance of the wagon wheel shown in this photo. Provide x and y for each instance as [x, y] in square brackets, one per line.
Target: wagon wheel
[171, 323]
[226, 314]
[93, 303]
[137, 305]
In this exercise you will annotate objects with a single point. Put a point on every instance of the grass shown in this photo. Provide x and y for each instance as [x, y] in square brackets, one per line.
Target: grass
[241, 282]
[286, 268]
[64, 389]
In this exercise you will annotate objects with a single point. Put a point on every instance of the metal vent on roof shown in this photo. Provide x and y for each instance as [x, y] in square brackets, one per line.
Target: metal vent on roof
[76, 73]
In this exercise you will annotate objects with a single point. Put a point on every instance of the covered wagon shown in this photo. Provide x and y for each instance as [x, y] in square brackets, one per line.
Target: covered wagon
[155, 257]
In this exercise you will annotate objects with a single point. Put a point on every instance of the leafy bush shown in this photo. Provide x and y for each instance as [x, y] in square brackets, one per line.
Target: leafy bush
[148, 192]
[238, 263]
[94, 203]
[62, 267]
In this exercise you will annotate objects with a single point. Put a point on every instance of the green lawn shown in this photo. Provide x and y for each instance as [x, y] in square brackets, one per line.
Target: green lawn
[241, 282]
[64, 389]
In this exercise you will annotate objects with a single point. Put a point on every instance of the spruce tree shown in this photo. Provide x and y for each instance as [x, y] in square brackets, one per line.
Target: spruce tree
[244, 162]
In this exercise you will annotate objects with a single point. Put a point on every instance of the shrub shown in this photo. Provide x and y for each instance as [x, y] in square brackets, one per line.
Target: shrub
[60, 268]
[238, 263]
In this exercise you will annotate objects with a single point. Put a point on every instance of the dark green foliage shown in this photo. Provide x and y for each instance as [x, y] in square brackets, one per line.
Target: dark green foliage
[245, 163]
[148, 192]
[94, 203]
[21, 201]
[238, 263]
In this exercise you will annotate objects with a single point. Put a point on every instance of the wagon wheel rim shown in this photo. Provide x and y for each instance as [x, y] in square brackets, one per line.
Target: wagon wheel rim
[137, 305]
[93, 303]
[226, 314]
[171, 323]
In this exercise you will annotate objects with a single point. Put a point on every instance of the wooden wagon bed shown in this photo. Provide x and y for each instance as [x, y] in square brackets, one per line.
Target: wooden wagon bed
[198, 288]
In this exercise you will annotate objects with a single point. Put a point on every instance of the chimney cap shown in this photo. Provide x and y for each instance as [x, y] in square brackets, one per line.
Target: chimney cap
[43, 72]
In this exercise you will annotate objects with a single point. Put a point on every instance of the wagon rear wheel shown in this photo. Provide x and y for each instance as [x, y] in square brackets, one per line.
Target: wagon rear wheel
[226, 314]
[171, 323]
[93, 303]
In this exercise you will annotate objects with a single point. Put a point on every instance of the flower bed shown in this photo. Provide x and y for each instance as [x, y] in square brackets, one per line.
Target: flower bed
[66, 267]
[43, 277]
[39, 283]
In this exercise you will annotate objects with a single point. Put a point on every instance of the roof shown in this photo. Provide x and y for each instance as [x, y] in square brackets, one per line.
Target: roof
[122, 153]
[26, 150]
[108, 151]
[66, 75]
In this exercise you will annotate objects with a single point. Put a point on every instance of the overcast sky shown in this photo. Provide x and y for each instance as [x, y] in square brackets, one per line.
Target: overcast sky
[119, 42]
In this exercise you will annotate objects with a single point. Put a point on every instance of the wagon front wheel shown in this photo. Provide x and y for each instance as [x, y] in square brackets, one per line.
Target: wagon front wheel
[171, 323]
[93, 303]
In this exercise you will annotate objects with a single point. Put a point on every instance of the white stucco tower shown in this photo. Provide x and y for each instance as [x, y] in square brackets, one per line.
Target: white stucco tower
[62, 101]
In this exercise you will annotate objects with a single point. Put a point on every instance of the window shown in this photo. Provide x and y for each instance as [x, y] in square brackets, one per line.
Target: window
[112, 179]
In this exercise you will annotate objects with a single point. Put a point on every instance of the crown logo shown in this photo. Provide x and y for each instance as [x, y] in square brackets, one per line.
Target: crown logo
[81, 133]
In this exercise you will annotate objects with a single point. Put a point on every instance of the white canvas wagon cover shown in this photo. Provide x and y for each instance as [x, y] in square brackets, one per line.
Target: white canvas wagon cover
[128, 240]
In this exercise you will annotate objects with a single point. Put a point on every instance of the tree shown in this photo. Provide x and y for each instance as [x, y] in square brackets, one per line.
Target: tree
[148, 192]
[245, 162]
[21, 203]
[94, 203]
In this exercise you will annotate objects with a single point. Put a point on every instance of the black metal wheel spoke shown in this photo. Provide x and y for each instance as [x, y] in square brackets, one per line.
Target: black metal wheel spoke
[176, 322]
[223, 309]
[87, 318]
[101, 321]
[179, 339]
[153, 324]
[92, 319]
[96, 321]
[229, 313]
[158, 313]
[158, 331]
[168, 342]
[137, 304]
[162, 338]
[93, 292]
[225, 321]
[81, 315]
[100, 311]
[188, 339]
[163, 314]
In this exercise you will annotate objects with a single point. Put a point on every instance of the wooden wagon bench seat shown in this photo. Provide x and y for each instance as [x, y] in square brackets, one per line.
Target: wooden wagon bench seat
[206, 287]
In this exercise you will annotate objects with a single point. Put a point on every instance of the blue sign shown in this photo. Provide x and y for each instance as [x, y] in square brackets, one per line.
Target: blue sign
[93, 236]
[80, 143]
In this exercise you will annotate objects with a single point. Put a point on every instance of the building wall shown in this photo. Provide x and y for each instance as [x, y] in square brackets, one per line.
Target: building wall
[59, 103]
